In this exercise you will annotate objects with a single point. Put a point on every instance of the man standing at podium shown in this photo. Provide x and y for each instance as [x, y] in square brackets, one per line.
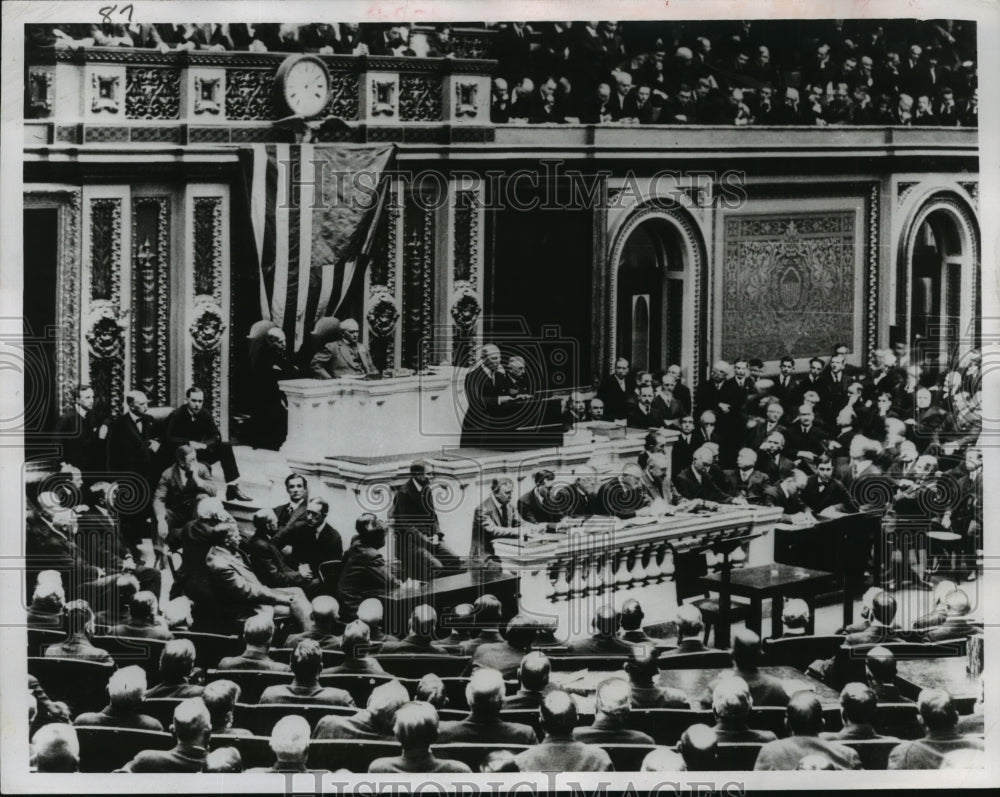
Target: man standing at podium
[487, 388]
[416, 530]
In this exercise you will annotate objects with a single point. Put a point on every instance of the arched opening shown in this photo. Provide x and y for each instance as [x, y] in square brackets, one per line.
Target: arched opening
[650, 323]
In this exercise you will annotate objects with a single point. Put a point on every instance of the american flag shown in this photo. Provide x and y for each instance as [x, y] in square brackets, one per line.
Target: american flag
[314, 209]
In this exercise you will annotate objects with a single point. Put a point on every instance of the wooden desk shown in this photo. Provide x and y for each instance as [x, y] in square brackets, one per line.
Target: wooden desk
[776, 581]
[446, 593]
[946, 673]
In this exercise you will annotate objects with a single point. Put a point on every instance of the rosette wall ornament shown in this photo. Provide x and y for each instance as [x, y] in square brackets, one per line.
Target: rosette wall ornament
[106, 329]
[465, 306]
[382, 312]
[208, 324]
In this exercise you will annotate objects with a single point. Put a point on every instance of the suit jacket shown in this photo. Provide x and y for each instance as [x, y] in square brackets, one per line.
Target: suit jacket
[622, 107]
[776, 468]
[109, 718]
[234, 583]
[364, 574]
[709, 396]
[308, 695]
[614, 397]
[128, 448]
[50, 548]
[574, 502]
[785, 754]
[269, 563]
[287, 515]
[832, 494]
[493, 730]
[361, 726]
[100, 540]
[338, 359]
[563, 754]
[683, 394]
[786, 393]
[687, 484]
[176, 494]
[775, 496]
[928, 752]
[80, 439]
[310, 546]
[798, 439]
[752, 487]
[682, 452]
[483, 392]
[609, 731]
[644, 420]
[183, 758]
[613, 498]
[252, 660]
[532, 510]
[181, 428]
[667, 411]
[872, 485]
[488, 525]
[758, 433]
[498, 656]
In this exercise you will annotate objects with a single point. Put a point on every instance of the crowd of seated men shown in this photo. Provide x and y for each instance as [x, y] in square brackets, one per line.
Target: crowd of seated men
[834, 72]
[508, 698]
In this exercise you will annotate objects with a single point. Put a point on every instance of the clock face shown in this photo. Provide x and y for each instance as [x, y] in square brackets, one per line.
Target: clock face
[306, 87]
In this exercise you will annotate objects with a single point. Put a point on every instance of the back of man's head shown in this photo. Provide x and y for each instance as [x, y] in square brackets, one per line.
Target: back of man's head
[521, 632]
[384, 701]
[606, 621]
[357, 640]
[698, 746]
[126, 688]
[613, 698]
[192, 723]
[795, 613]
[746, 651]
[804, 714]
[663, 759]
[258, 630]
[533, 672]
[220, 698]
[884, 608]
[643, 664]
[176, 660]
[143, 606]
[558, 713]
[423, 621]
[881, 664]
[956, 604]
[56, 748]
[416, 726]
[631, 617]
[290, 738]
[937, 710]
[689, 622]
[858, 703]
[731, 700]
[487, 611]
[325, 612]
[306, 660]
[431, 689]
[485, 691]
[370, 610]
[78, 617]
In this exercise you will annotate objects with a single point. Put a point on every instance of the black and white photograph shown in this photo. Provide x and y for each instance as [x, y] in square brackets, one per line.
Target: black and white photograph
[406, 396]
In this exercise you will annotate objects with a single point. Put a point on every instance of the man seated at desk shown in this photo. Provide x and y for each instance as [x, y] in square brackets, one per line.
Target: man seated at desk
[344, 357]
[536, 506]
[493, 519]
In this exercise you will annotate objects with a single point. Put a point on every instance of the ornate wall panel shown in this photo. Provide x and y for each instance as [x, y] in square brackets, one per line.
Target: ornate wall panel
[464, 306]
[248, 94]
[788, 283]
[418, 280]
[152, 93]
[208, 323]
[420, 98]
[105, 326]
[150, 297]
[344, 100]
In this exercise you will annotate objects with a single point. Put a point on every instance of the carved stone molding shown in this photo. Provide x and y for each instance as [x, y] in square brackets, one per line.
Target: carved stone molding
[105, 93]
[207, 95]
[466, 98]
[972, 189]
[150, 300]
[208, 324]
[420, 98]
[344, 101]
[106, 328]
[383, 96]
[39, 93]
[382, 311]
[903, 190]
[248, 94]
[107, 371]
[152, 93]
[464, 306]
[872, 215]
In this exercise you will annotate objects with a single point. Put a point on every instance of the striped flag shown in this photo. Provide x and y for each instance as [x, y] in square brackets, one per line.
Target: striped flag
[314, 209]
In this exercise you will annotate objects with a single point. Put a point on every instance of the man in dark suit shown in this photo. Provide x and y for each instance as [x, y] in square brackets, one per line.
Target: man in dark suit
[643, 669]
[311, 540]
[536, 507]
[578, 499]
[746, 480]
[298, 500]
[880, 628]
[684, 446]
[180, 488]
[615, 389]
[192, 729]
[484, 694]
[742, 378]
[365, 573]
[605, 638]
[884, 377]
[50, 545]
[690, 627]
[804, 439]
[784, 383]
[533, 677]
[805, 721]
[612, 705]
[344, 357]
[495, 518]
[269, 563]
[82, 431]
[770, 460]
[822, 490]
[834, 383]
[192, 425]
[880, 674]
[696, 482]
[132, 443]
[858, 706]
[623, 495]
[786, 494]
[681, 391]
[666, 405]
[811, 381]
[940, 719]
[766, 690]
[647, 111]
[719, 393]
[416, 530]
[763, 427]
[487, 390]
[642, 414]
[423, 622]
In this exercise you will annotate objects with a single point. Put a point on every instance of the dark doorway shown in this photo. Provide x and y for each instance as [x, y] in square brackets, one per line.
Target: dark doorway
[41, 252]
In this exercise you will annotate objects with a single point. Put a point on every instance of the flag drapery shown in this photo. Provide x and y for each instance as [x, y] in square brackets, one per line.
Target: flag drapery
[314, 210]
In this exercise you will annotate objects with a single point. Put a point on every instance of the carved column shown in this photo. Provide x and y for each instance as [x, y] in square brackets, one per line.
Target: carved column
[418, 281]
[150, 297]
[464, 289]
[382, 288]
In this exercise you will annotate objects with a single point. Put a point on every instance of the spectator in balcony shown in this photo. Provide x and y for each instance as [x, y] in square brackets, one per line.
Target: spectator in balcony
[351, 41]
[790, 112]
[821, 70]
[552, 57]
[863, 112]
[621, 105]
[947, 108]
[813, 111]
[903, 112]
[766, 110]
[924, 115]
[547, 108]
[500, 107]
[598, 109]
[614, 44]
[890, 76]
[706, 95]
[319, 38]
[970, 114]
[737, 72]
[569, 102]
[841, 110]
[523, 100]
[734, 111]
[512, 49]
[653, 72]
[682, 108]
[440, 44]
[762, 69]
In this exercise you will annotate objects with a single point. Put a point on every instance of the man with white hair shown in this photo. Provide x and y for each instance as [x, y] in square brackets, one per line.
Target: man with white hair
[732, 705]
[51, 545]
[787, 495]
[55, 748]
[344, 357]
[622, 106]
[612, 704]
[133, 441]
[192, 729]
[484, 694]
[126, 689]
[269, 563]
[696, 481]
[290, 745]
[487, 389]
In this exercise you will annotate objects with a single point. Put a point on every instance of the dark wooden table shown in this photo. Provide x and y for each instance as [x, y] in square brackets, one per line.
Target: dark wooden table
[446, 593]
[695, 683]
[945, 673]
[776, 582]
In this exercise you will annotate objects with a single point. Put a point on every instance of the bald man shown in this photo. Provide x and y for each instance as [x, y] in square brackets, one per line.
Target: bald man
[487, 390]
[345, 357]
[192, 729]
[940, 720]
[559, 751]
[612, 705]
[804, 718]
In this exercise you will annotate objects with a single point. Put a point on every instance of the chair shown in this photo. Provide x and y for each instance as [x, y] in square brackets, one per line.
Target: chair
[329, 572]
[571, 663]
[452, 714]
[738, 756]
[82, 685]
[331, 658]
[689, 569]
[686, 661]
[350, 754]
[769, 718]
[108, 749]
[471, 754]
[666, 725]
[359, 685]
[251, 682]
[874, 753]
[627, 757]
[210, 649]
[849, 662]
[128, 651]
[801, 651]
[41, 638]
[898, 719]
[522, 716]
[255, 751]
[261, 719]
[160, 708]
[417, 665]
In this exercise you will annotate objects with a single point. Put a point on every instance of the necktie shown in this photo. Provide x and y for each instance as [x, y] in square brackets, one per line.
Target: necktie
[503, 516]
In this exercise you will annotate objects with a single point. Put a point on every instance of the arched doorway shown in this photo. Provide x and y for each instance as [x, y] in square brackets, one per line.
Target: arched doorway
[942, 289]
[652, 306]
